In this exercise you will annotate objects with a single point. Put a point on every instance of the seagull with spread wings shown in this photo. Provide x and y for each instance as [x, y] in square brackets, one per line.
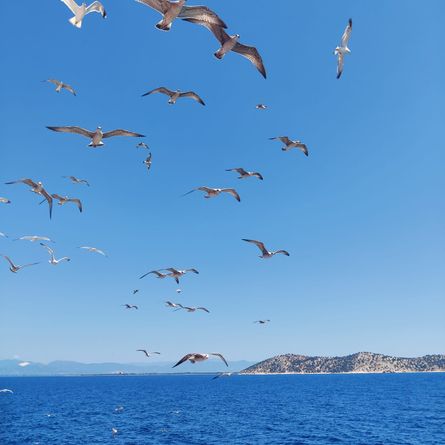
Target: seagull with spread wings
[34, 238]
[147, 353]
[75, 180]
[243, 174]
[53, 259]
[80, 11]
[4, 200]
[177, 274]
[175, 95]
[173, 10]
[342, 50]
[262, 321]
[212, 192]
[231, 43]
[194, 309]
[289, 144]
[142, 145]
[93, 250]
[130, 306]
[97, 135]
[264, 252]
[172, 305]
[64, 199]
[14, 268]
[60, 85]
[37, 188]
[199, 357]
[147, 162]
[261, 107]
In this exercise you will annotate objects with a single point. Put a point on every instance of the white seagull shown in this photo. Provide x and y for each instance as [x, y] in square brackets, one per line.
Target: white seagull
[146, 352]
[342, 50]
[7, 391]
[199, 357]
[97, 135]
[261, 107]
[80, 11]
[24, 364]
[289, 144]
[93, 250]
[212, 192]
[34, 238]
[264, 252]
[4, 200]
[53, 259]
[175, 95]
[177, 274]
[243, 174]
[75, 180]
[173, 10]
[14, 268]
[60, 85]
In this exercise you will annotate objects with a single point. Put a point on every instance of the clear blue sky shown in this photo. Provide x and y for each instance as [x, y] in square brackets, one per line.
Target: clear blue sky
[363, 216]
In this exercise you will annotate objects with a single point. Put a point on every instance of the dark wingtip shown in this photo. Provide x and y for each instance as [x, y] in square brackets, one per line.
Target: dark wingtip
[350, 23]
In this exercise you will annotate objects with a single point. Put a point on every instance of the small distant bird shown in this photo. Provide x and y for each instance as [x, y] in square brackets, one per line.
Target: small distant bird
[8, 391]
[177, 274]
[173, 305]
[231, 43]
[75, 180]
[24, 364]
[114, 431]
[194, 309]
[178, 291]
[60, 85]
[243, 174]
[3, 235]
[147, 161]
[175, 95]
[80, 11]
[222, 374]
[264, 252]
[342, 50]
[34, 238]
[36, 187]
[64, 199]
[14, 267]
[93, 250]
[130, 306]
[142, 145]
[135, 291]
[97, 135]
[261, 107]
[4, 200]
[147, 353]
[173, 10]
[289, 144]
[198, 357]
[53, 260]
[212, 192]
[158, 274]
[262, 321]
[119, 409]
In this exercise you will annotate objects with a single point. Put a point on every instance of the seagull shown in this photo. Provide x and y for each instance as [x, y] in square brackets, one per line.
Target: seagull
[130, 306]
[262, 321]
[243, 174]
[3, 235]
[36, 187]
[176, 274]
[97, 135]
[24, 364]
[53, 260]
[231, 43]
[222, 374]
[7, 391]
[114, 431]
[15, 268]
[211, 192]
[147, 353]
[178, 291]
[119, 409]
[194, 309]
[80, 11]
[135, 291]
[60, 85]
[34, 238]
[142, 145]
[261, 107]
[172, 10]
[75, 180]
[64, 199]
[175, 95]
[158, 274]
[4, 200]
[147, 161]
[173, 305]
[198, 357]
[264, 251]
[93, 250]
[343, 49]
[289, 144]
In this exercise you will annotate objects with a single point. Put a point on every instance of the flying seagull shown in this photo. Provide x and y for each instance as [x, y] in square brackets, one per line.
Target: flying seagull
[7, 391]
[15, 268]
[343, 49]
[3, 235]
[130, 306]
[34, 238]
[97, 135]
[212, 192]
[93, 250]
[176, 274]
[75, 180]
[53, 260]
[147, 353]
[222, 374]
[172, 10]
[60, 85]
[36, 187]
[261, 107]
[264, 252]
[289, 144]
[142, 145]
[198, 357]
[173, 305]
[80, 11]
[231, 43]
[114, 431]
[24, 364]
[135, 291]
[64, 199]
[243, 174]
[147, 161]
[4, 200]
[262, 321]
[158, 274]
[175, 95]
[194, 309]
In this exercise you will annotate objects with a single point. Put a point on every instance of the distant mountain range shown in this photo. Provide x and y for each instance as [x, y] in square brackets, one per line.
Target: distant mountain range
[362, 362]
[12, 368]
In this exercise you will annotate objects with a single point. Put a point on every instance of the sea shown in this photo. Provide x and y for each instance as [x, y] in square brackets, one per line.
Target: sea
[355, 409]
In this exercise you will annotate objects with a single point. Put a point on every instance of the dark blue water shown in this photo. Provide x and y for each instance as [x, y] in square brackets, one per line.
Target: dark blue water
[321, 410]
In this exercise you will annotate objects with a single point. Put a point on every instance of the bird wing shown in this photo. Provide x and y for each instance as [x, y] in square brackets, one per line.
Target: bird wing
[148, 273]
[346, 34]
[183, 359]
[232, 192]
[142, 350]
[283, 139]
[193, 95]
[26, 181]
[253, 55]
[69, 88]
[162, 90]
[78, 202]
[303, 148]
[284, 252]
[161, 6]
[340, 60]
[258, 175]
[50, 251]
[201, 15]
[240, 170]
[217, 31]
[203, 309]
[259, 244]
[154, 352]
[193, 270]
[49, 199]
[28, 265]
[9, 260]
[72, 5]
[119, 132]
[97, 7]
[54, 81]
[73, 129]
[58, 197]
[217, 354]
